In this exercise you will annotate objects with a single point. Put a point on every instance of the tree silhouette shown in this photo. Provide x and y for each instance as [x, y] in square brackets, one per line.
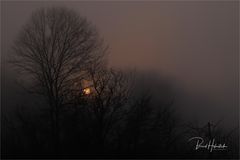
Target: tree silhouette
[116, 117]
[105, 106]
[53, 49]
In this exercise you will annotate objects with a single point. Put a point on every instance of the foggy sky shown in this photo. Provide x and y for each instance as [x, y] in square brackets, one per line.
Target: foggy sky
[193, 43]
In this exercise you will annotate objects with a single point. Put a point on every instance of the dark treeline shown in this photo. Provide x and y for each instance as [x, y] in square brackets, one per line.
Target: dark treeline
[87, 109]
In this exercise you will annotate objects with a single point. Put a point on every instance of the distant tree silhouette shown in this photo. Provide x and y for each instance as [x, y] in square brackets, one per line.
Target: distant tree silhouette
[105, 106]
[53, 49]
[119, 115]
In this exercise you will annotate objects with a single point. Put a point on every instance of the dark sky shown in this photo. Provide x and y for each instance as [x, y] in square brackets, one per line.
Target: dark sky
[194, 43]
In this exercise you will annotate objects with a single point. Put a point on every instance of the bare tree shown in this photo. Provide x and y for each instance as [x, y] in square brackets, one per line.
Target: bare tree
[107, 102]
[53, 49]
[119, 115]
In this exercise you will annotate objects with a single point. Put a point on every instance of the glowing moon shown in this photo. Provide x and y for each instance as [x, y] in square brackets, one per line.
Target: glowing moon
[87, 91]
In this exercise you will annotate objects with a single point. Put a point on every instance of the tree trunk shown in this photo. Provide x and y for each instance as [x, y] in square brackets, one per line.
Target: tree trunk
[55, 129]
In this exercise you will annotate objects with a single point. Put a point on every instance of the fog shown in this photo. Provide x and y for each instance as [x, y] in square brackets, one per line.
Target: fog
[193, 44]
